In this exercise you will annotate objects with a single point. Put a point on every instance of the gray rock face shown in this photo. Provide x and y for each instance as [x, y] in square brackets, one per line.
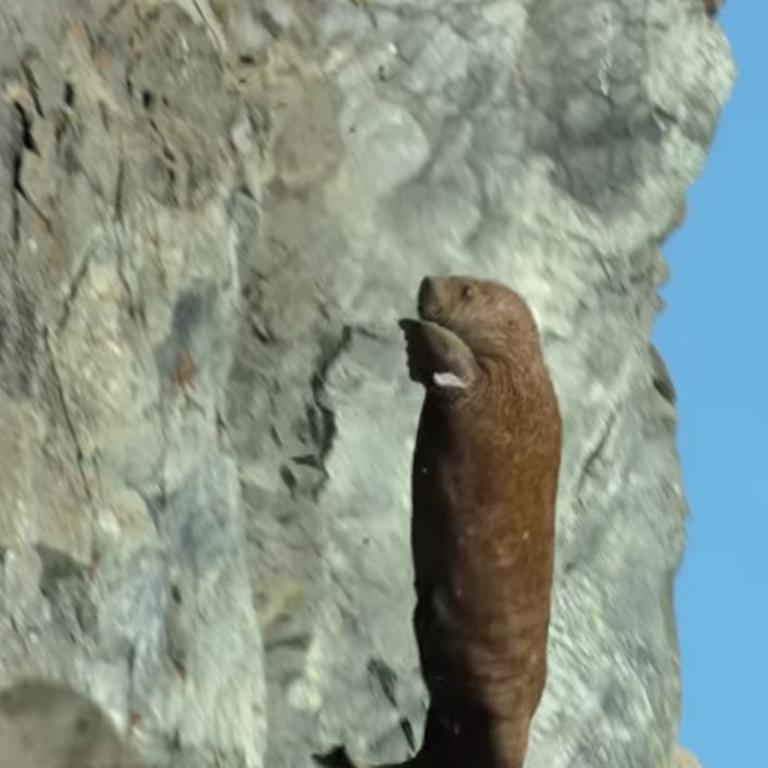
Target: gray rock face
[46, 725]
[212, 215]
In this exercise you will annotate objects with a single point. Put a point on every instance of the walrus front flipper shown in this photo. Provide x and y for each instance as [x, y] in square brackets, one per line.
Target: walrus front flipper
[437, 357]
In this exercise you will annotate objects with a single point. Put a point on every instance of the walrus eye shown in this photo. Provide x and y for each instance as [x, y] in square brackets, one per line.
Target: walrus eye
[467, 292]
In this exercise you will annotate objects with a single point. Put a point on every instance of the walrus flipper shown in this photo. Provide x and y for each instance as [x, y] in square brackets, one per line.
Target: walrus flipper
[437, 357]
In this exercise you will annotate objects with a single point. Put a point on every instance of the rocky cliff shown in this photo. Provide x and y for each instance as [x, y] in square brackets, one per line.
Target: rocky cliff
[213, 211]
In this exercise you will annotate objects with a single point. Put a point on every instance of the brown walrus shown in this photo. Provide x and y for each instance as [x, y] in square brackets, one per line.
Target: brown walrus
[484, 483]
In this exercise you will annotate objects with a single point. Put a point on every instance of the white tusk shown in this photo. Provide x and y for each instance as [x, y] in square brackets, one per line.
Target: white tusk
[448, 379]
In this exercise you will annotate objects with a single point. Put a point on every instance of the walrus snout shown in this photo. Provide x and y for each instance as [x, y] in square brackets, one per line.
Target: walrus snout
[428, 299]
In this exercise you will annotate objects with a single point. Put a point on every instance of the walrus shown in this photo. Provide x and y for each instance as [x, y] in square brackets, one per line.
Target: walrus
[484, 482]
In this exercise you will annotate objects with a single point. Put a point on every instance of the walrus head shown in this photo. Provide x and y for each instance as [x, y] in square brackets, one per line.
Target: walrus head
[465, 326]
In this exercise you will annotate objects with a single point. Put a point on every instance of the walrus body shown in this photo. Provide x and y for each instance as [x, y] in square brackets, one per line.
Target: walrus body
[484, 484]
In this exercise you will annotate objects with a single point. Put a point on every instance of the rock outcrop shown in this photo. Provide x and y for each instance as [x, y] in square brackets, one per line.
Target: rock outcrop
[213, 212]
[684, 759]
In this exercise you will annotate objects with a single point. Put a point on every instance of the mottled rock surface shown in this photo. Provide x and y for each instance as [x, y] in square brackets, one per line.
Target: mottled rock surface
[684, 759]
[212, 214]
[45, 725]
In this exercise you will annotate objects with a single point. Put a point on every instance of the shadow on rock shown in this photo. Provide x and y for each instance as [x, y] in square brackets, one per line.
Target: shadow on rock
[45, 725]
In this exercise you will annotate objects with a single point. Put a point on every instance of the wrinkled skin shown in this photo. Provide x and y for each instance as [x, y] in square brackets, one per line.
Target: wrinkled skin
[484, 483]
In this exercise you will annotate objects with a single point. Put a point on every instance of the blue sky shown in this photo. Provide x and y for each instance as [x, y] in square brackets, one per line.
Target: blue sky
[713, 337]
